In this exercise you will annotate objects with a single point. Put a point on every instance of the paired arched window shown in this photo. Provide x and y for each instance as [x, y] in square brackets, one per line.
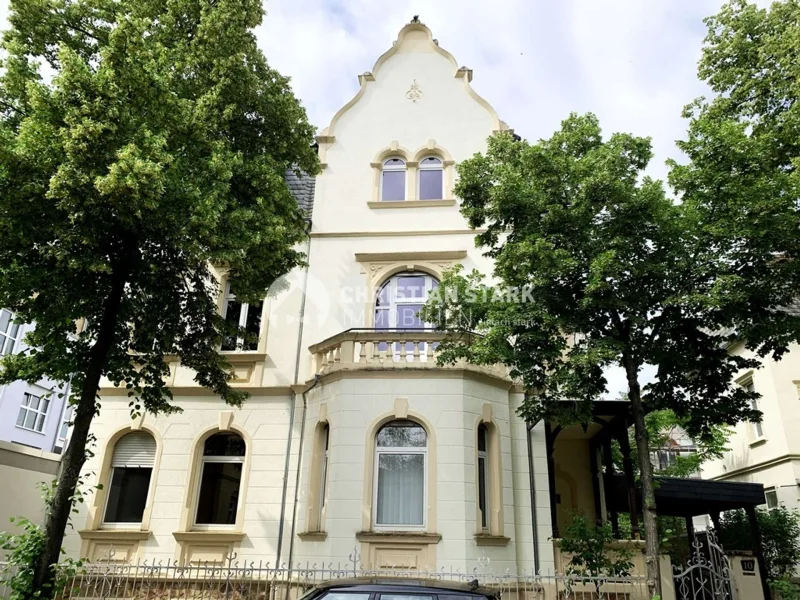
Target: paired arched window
[220, 479]
[400, 476]
[393, 180]
[431, 178]
[429, 184]
[129, 483]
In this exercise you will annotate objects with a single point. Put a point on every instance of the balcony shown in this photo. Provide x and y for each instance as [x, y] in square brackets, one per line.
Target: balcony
[395, 349]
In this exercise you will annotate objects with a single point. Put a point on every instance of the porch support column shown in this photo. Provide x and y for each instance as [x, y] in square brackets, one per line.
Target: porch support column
[609, 485]
[550, 442]
[755, 533]
[630, 480]
[598, 513]
[690, 532]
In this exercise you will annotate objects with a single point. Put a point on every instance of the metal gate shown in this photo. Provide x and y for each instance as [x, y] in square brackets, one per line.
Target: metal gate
[707, 574]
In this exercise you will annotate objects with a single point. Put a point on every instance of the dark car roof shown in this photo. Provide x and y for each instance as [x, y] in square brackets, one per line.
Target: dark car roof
[387, 584]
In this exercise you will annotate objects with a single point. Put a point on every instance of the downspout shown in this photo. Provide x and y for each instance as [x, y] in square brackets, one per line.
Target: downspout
[534, 525]
[294, 397]
[297, 473]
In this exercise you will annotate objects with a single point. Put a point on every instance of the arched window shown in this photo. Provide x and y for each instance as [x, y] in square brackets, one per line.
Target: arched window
[393, 180]
[220, 478]
[323, 477]
[431, 178]
[483, 476]
[401, 298]
[131, 468]
[400, 467]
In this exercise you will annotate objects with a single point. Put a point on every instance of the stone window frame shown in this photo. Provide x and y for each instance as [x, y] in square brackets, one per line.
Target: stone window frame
[755, 431]
[318, 479]
[401, 412]
[194, 479]
[493, 533]
[115, 544]
[107, 485]
[412, 160]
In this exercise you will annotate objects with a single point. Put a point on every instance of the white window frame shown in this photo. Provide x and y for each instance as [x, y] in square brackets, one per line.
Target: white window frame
[429, 167]
[774, 491]
[379, 450]
[216, 459]
[26, 407]
[243, 314]
[385, 166]
[756, 429]
[484, 455]
[6, 335]
[323, 481]
[395, 302]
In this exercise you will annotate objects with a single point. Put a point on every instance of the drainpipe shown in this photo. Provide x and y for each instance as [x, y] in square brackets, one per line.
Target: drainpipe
[294, 397]
[297, 472]
[535, 530]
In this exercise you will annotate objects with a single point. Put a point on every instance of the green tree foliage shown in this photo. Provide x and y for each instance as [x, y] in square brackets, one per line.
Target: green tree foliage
[780, 537]
[594, 266]
[157, 147]
[593, 552]
[741, 181]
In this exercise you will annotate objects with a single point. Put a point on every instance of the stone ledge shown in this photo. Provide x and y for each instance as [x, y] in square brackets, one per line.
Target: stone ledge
[209, 536]
[483, 539]
[410, 203]
[410, 537]
[114, 534]
[313, 536]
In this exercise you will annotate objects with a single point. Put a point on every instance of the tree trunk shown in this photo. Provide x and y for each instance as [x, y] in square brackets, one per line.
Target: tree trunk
[75, 455]
[648, 486]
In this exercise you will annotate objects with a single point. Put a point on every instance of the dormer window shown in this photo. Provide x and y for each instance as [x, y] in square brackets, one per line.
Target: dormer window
[393, 180]
[431, 179]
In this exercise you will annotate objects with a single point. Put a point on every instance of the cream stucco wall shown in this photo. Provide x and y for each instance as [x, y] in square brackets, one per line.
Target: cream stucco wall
[773, 460]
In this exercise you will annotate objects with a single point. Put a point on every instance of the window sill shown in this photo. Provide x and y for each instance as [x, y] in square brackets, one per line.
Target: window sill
[412, 537]
[485, 539]
[313, 536]
[112, 535]
[758, 442]
[235, 356]
[30, 430]
[209, 536]
[410, 203]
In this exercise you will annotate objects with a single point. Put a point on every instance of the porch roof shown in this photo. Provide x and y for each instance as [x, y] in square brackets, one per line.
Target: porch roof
[689, 497]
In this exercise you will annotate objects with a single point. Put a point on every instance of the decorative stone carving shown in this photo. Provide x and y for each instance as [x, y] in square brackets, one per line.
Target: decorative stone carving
[414, 93]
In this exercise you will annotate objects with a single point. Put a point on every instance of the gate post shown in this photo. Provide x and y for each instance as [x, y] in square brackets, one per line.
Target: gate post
[756, 535]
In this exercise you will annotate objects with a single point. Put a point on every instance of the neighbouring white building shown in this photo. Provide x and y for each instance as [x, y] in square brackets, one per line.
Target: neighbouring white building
[767, 452]
[413, 465]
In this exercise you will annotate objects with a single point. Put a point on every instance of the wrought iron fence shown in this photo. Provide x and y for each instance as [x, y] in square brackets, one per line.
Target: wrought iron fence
[254, 580]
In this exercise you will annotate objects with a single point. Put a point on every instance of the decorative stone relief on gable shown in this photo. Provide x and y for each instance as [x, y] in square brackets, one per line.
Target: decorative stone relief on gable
[414, 93]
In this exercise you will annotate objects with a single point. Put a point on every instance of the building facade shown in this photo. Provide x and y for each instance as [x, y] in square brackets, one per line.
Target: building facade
[353, 439]
[767, 452]
[33, 415]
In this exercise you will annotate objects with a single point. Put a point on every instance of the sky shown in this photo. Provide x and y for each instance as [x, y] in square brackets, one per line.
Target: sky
[631, 62]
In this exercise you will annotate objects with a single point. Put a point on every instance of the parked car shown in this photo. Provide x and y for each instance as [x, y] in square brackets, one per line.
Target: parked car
[404, 589]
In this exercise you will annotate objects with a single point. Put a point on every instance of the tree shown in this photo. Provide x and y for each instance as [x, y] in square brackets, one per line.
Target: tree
[780, 541]
[594, 266]
[157, 148]
[741, 181]
[592, 554]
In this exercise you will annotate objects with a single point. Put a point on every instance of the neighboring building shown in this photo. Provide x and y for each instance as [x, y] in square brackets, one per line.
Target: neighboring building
[31, 414]
[767, 452]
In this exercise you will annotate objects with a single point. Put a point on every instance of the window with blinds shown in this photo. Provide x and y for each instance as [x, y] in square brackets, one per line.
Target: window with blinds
[131, 468]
